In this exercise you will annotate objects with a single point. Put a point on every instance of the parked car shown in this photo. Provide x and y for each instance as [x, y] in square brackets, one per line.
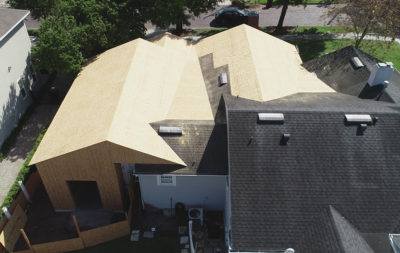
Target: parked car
[229, 17]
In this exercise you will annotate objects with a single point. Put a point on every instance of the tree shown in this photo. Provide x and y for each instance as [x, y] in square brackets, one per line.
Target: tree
[268, 4]
[58, 48]
[285, 6]
[390, 21]
[381, 16]
[80, 29]
[38, 8]
[177, 12]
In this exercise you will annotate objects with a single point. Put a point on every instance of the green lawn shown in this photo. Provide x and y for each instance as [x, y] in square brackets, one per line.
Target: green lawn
[123, 244]
[287, 30]
[318, 29]
[310, 49]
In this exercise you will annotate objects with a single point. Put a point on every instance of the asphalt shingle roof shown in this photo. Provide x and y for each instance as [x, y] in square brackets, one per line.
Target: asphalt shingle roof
[9, 18]
[282, 195]
[336, 70]
[202, 146]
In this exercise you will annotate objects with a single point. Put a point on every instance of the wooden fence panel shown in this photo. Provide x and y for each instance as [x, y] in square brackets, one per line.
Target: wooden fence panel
[59, 246]
[11, 232]
[31, 185]
[104, 234]
[23, 251]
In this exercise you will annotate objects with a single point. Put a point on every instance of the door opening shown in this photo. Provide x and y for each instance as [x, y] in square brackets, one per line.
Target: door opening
[85, 194]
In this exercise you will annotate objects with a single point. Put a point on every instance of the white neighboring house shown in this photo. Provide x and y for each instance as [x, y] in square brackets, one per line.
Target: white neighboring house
[16, 74]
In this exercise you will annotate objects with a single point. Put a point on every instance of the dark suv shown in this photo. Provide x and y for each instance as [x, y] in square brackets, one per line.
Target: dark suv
[229, 17]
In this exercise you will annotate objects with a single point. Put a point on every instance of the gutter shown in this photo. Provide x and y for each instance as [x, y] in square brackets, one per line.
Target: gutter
[12, 28]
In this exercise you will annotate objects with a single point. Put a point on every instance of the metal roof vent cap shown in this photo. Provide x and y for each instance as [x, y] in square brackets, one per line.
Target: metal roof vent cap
[222, 79]
[289, 250]
[285, 139]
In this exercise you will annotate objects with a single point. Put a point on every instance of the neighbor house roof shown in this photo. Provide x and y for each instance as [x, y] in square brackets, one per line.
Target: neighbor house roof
[336, 70]
[119, 93]
[330, 189]
[9, 19]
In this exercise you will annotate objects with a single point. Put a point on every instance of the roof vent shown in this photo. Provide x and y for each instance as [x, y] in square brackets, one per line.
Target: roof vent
[223, 79]
[170, 130]
[285, 138]
[380, 73]
[357, 63]
[361, 129]
[358, 118]
[271, 117]
[289, 250]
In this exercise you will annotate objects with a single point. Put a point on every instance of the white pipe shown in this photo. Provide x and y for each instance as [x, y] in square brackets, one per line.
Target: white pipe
[6, 212]
[26, 194]
[190, 237]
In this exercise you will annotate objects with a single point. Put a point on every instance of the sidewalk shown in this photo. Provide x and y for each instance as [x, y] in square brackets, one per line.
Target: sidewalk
[333, 36]
[15, 158]
[41, 117]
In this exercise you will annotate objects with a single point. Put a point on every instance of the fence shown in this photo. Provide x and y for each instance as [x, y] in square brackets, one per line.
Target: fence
[85, 239]
[12, 229]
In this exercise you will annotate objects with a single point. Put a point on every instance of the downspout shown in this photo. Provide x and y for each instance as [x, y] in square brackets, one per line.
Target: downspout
[190, 237]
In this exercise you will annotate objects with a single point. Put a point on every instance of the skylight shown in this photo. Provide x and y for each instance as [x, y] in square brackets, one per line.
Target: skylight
[358, 118]
[170, 130]
[271, 117]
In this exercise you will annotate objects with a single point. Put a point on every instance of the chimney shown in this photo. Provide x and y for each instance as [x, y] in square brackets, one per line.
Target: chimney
[380, 73]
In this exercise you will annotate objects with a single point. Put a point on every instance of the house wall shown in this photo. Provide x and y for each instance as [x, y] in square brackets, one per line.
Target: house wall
[93, 163]
[207, 191]
[14, 53]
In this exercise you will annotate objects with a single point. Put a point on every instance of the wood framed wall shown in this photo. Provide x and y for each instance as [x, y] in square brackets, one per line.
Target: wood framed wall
[100, 163]
[93, 163]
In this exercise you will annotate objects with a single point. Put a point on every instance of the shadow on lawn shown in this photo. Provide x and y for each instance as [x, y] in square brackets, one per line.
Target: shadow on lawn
[309, 49]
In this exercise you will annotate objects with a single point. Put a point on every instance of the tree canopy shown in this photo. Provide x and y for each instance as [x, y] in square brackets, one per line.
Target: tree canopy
[80, 29]
[380, 16]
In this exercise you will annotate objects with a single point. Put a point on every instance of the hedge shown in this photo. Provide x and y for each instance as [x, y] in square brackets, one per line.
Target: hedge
[23, 175]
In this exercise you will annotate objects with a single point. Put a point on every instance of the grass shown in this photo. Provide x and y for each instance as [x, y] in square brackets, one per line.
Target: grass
[318, 29]
[207, 31]
[123, 244]
[294, 30]
[310, 49]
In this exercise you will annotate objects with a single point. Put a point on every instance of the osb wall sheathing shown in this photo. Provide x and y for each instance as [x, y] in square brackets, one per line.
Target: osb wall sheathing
[94, 163]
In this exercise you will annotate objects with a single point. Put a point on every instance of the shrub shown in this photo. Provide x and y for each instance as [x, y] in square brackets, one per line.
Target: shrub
[23, 175]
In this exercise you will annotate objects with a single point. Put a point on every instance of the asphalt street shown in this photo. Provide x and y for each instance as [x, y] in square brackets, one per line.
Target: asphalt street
[311, 15]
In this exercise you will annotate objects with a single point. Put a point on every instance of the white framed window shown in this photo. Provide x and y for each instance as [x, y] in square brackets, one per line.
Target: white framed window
[21, 87]
[166, 180]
